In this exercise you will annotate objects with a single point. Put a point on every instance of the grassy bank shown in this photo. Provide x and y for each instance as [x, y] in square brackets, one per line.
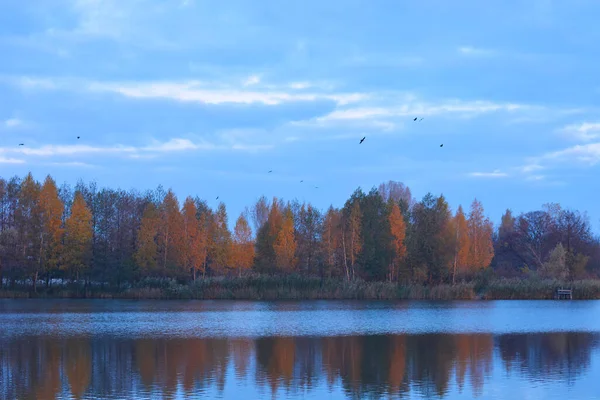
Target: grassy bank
[302, 288]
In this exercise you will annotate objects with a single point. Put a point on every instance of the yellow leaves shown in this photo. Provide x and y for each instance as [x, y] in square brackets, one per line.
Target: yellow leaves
[51, 210]
[193, 250]
[285, 243]
[398, 233]
[170, 231]
[480, 233]
[78, 235]
[243, 246]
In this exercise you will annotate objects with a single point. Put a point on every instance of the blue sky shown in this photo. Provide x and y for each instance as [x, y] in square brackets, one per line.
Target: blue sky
[205, 97]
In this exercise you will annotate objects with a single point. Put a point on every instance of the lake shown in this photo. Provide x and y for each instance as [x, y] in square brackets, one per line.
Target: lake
[98, 349]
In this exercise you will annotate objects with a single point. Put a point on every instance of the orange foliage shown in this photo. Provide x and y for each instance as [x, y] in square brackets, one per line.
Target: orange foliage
[398, 231]
[285, 243]
[243, 246]
[192, 252]
[480, 235]
[78, 236]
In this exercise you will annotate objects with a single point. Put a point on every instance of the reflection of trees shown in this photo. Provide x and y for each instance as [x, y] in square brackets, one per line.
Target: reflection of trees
[557, 355]
[275, 361]
[78, 365]
[365, 367]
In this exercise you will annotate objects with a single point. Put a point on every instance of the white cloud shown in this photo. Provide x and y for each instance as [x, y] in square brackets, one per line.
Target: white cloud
[194, 92]
[494, 174]
[535, 177]
[300, 85]
[475, 51]
[585, 153]
[406, 106]
[585, 131]
[4, 160]
[252, 80]
[76, 164]
[13, 123]
[175, 145]
[528, 168]
[171, 146]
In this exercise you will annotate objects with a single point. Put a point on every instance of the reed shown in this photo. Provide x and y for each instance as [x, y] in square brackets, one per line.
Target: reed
[296, 287]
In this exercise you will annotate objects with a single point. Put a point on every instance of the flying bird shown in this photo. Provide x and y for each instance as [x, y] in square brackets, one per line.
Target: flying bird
[316, 187]
[77, 137]
[421, 119]
[21, 144]
[442, 145]
[217, 198]
[270, 171]
[301, 181]
[362, 140]
[415, 119]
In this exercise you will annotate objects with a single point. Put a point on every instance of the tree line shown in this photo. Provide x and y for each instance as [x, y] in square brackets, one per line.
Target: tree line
[110, 236]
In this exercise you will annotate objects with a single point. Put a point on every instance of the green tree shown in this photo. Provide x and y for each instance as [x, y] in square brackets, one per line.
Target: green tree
[376, 254]
[556, 266]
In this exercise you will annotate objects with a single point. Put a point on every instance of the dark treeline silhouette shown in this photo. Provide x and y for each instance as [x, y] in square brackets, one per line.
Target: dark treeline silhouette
[432, 365]
[107, 237]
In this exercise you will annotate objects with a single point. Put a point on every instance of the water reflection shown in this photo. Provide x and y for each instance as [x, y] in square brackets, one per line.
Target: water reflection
[430, 365]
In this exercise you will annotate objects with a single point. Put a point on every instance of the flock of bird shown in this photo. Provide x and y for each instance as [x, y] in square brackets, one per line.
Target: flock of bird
[316, 187]
[360, 142]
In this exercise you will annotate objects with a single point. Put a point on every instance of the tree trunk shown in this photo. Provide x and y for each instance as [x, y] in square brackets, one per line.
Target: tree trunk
[194, 273]
[345, 257]
[35, 277]
[455, 257]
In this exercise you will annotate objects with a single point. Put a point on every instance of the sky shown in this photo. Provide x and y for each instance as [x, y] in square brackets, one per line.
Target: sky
[206, 97]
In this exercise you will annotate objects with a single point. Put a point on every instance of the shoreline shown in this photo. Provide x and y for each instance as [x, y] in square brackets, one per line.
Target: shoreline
[301, 288]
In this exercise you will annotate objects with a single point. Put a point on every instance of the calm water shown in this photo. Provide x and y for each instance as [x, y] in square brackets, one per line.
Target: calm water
[254, 350]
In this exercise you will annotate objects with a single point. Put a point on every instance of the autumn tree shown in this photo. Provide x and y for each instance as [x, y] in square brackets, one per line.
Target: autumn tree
[243, 246]
[397, 192]
[285, 243]
[462, 245]
[308, 237]
[78, 237]
[51, 209]
[28, 224]
[398, 234]
[170, 233]
[221, 256]
[146, 255]
[331, 241]
[192, 251]
[260, 213]
[351, 233]
[480, 237]
[265, 239]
